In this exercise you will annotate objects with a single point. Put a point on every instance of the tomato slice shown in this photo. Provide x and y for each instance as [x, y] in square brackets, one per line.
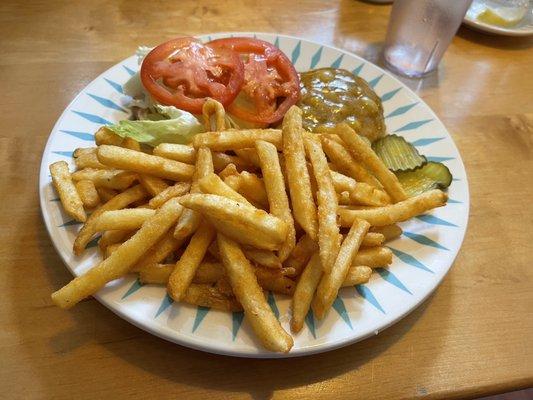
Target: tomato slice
[183, 72]
[271, 84]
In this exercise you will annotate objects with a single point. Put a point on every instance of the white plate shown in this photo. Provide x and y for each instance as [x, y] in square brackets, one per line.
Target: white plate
[523, 28]
[423, 255]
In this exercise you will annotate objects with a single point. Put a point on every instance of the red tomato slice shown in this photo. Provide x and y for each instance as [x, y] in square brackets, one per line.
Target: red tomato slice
[183, 72]
[271, 84]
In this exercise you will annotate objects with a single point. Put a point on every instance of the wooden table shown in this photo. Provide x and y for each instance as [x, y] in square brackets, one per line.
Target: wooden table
[473, 337]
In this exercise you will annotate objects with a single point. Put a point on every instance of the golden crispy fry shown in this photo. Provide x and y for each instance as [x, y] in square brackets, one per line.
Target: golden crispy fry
[229, 170]
[236, 139]
[359, 148]
[331, 282]
[207, 272]
[214, 115]
[357, 275]
[343, 160]
[106, 194]
[250, 186]
[83, 150]
[274, 280]
[212, 184]
[137, 161]
[360, 192]
[391, 214]
[88, 159]
[125, 219]
[190, 219]
[373, 257]
[121, 261]
[222, 160]
[70, 199]
[112, 237]
[303, 207]
[209, 296]
[186, 267]
[251, 296]
[224, 287]
[131, 144]
[88, 194]
[179, 189]
[158, 252]
[177, 152]
[341, 182]
[304, 292]
[264, 258]
[390, 232]
[261, 229]
[373, 239]
[106, 136]
[277, 196]
[152, 184]
[111, 249]
[328, 231]
[305, 247]
[108, 178]
[249, 156]
[118, 202]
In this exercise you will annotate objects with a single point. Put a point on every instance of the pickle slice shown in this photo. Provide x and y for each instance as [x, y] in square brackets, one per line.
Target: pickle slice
[398, 154]
[433, 175]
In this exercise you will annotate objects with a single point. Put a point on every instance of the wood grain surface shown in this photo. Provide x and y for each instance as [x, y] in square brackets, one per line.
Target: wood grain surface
[472, 337]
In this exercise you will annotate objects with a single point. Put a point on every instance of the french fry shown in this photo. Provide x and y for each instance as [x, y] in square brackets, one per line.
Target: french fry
[88, 160]
[108, 178]
[214, 115]
[304, 292]
[264, 258]
[277, 196]
[262, 230]
[331, 282]
[359, 148]
[131, 144]
[156, 273]
[70, 199]
[273, 280]
[118, 202]
[209, 296]
[390, 232]
[177, 152]
[249, 156]
[300, 255]
[250, 295]
[229, 170]
[120, 262]
[304, 208]
[176, 190]
[391, 214]
[222, 160]
[208, 272]
[236, 139]
[190, 219]
[83, 150]
[357, 275]
[224, 286]
[106, 194]
[328, 231]
[152, 184]
[112, 237]
[106, 136]
[373, 257]
[346, 163]
[111, 249]
[137, 161]
[88, 194]
[158, 252]
[186, 267]
[125, 219]
[212, 184]
[373, 239]
[360, 192]
[250, 186]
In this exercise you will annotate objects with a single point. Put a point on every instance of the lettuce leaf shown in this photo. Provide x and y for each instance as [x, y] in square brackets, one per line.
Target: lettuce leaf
[177, 126]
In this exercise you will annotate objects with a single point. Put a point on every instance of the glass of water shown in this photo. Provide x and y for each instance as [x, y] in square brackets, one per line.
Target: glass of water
[419, 33]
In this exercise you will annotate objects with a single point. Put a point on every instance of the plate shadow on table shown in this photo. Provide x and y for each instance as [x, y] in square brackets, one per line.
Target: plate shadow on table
[91, 324]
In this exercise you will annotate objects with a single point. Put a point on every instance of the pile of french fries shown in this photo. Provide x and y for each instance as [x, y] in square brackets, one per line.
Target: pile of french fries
[235, 213]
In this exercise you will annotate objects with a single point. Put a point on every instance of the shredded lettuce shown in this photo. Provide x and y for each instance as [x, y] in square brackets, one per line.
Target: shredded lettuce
[168, 125]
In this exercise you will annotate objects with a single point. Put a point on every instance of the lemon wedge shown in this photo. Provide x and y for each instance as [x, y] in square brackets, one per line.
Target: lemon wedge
[502, 16]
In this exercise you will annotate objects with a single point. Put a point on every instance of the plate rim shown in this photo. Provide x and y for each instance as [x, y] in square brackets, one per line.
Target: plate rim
[216, 347]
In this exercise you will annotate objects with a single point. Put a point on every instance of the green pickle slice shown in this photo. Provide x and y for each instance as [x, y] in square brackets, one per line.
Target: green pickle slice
[398, 154]
[433, 175]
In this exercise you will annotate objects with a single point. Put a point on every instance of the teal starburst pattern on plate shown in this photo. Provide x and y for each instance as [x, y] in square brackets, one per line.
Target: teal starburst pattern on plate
[115, 85]
[422, 239]
[295, 55]
[367, 294]
[236, 319]
[431, 219]
[338, 305]
[72, 222]
[439, 159]
[166, 303]
[272, 303]
[390, 95]
[93, 242]
[409, 259]
[392, 279]
[89, 137]
[107, 103]
[64, 153]
[337, 62]
[373, 83]
[132, 289]
[92, 118]
[401, 110]
[316, 58]
[201, 312]
[55, 199]
[276, 42]
[426, 141]
[310, 322]
[129, 70]
[413, 125]
[453, 201]
[358, 70]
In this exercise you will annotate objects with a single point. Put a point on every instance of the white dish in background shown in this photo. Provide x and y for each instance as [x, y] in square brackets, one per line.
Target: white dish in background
[522, 28]
[423, 255]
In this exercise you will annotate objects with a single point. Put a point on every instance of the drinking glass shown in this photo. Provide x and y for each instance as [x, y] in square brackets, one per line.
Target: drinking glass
[419, 33]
